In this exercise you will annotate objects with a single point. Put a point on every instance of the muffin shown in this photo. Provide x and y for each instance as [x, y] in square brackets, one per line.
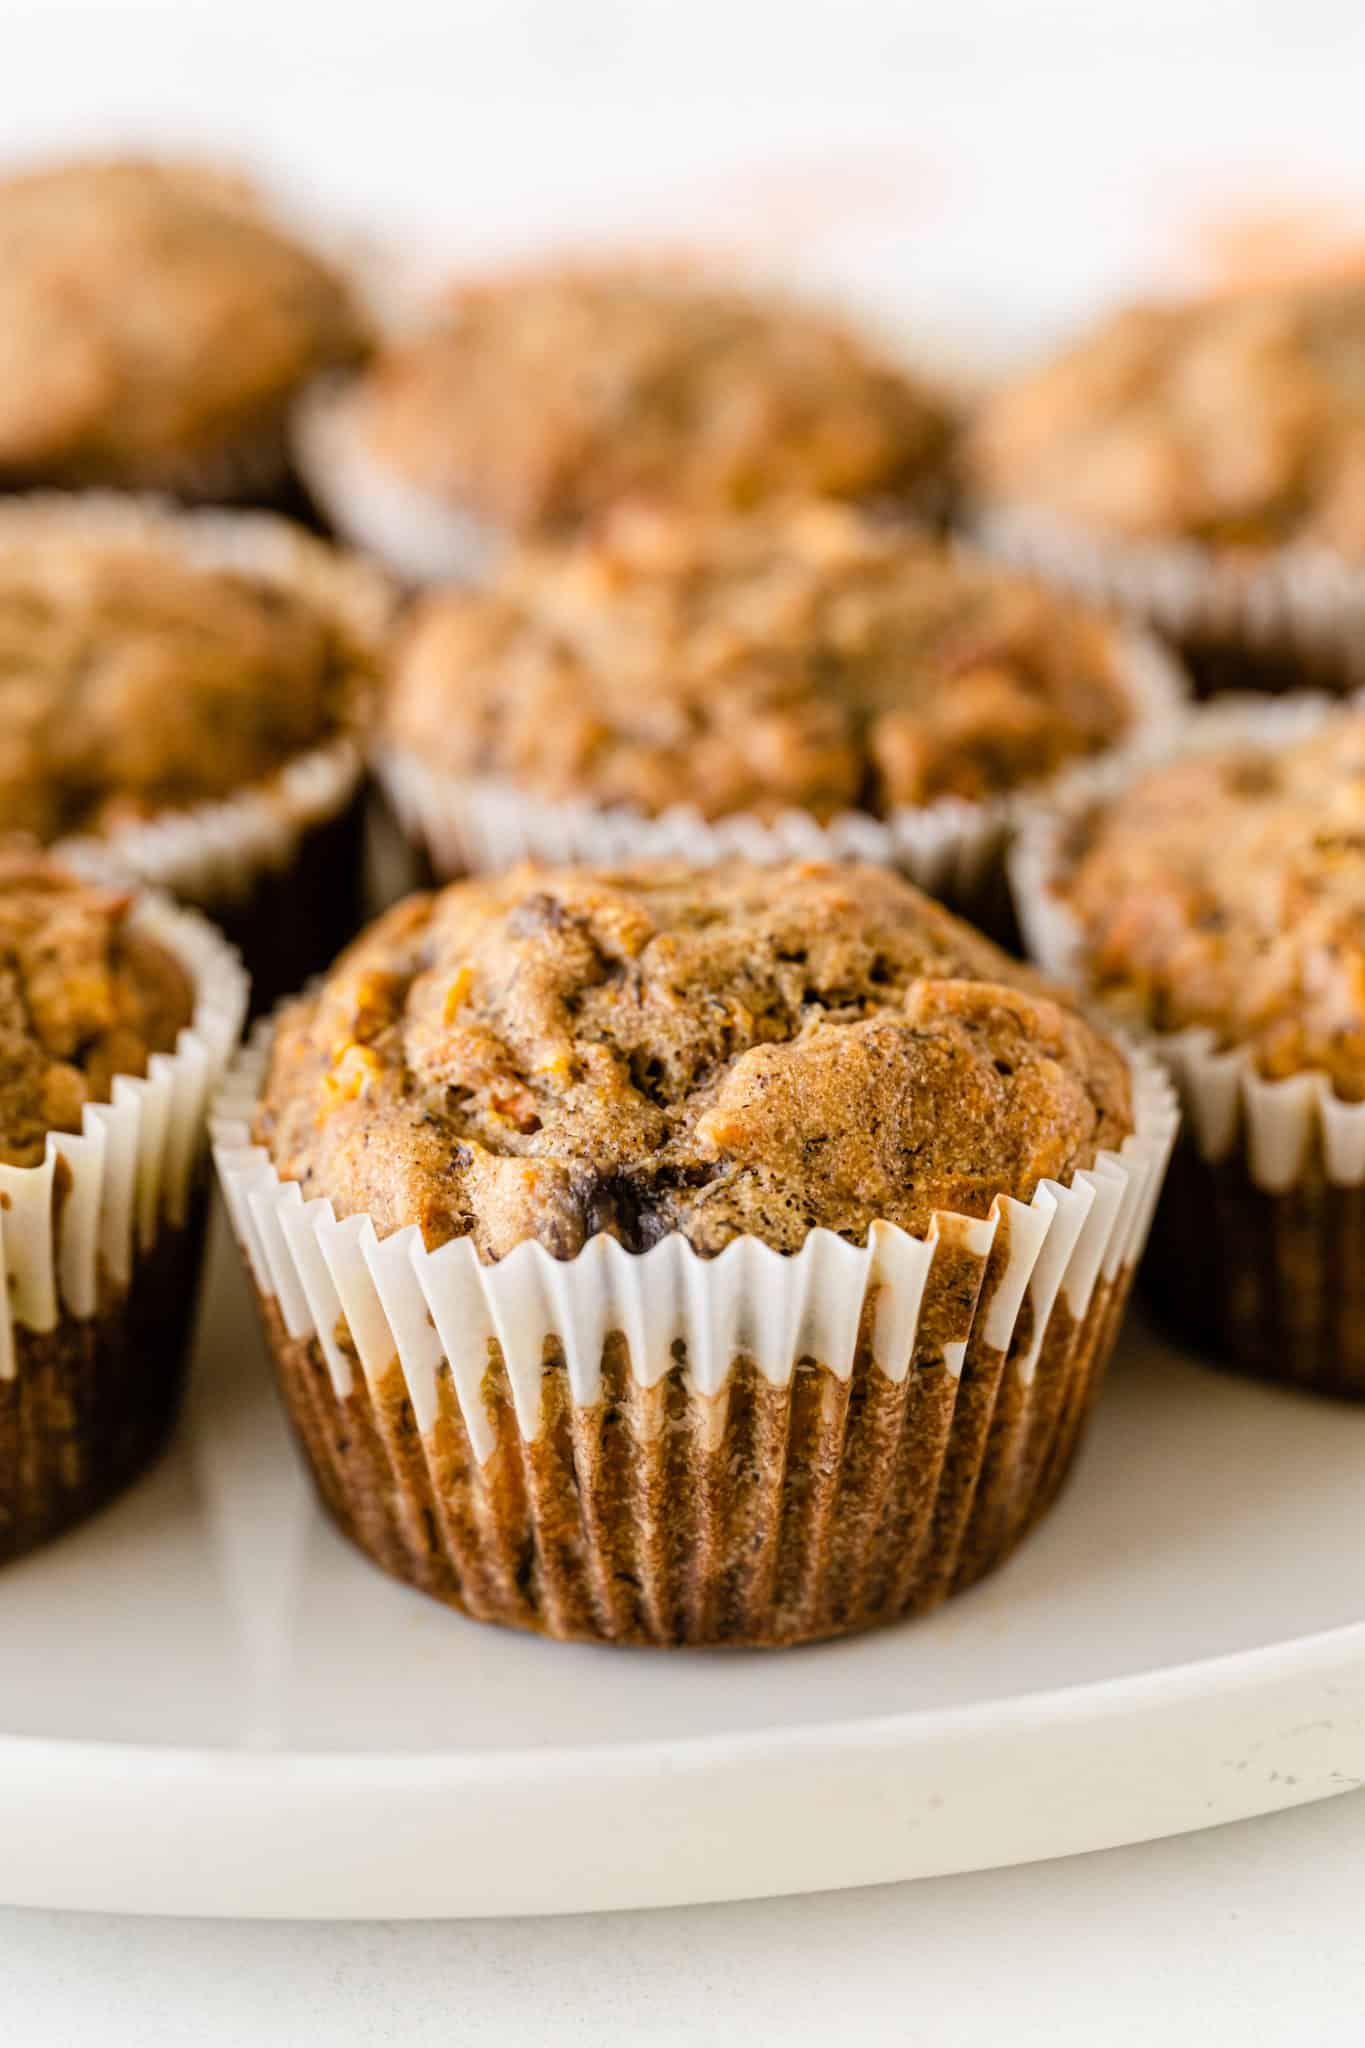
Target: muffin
[678, 1255]
[117, 1015]
[180, 697]
[540, 401]
[155, 325]
[800, 680]
[1217, 904]
[1204, 464]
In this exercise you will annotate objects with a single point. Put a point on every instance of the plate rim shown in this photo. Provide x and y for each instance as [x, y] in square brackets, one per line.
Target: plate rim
[1226, 1673]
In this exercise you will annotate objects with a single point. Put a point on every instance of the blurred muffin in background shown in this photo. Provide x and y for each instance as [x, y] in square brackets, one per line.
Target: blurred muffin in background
[541, 400]
[800, 680]
[180, 694]
[155, 323]
[1204, 464]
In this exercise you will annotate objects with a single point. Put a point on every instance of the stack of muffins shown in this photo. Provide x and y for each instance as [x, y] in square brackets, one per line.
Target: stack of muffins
[674, 1224]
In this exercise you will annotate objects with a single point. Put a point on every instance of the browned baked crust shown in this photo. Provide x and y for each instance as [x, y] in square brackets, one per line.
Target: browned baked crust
[723, 1052]
[544, 398]
[1237, 421]
[152, 316]
[1227, 889]
[83, 997]
[134, 680]
[805, 657]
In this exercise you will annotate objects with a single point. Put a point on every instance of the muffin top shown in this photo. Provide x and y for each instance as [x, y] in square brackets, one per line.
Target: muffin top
[543, 399]
[133, 680]
[1236, 421]
[553, 1053]
[803, 658]
[84, 996]
[149, 311]
[1227, 888]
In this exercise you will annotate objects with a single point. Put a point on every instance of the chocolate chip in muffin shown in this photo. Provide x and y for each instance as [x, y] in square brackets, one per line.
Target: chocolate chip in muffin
[728, 1052]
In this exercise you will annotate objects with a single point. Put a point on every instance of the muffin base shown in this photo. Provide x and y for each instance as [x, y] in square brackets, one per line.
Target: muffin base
[761, 1517]
[291, 922]
[93, 1400]
[1218, 668]
[1270, 1284]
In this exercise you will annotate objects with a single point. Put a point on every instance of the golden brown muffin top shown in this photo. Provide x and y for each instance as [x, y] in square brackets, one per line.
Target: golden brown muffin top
[543, 399]
[150, 311]
[806, 658]
[1237, 421]
[1227, 888]
[553, 1053]
[84, 996]
[133, 681]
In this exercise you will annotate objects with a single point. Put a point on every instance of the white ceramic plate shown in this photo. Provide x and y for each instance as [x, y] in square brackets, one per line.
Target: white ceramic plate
[209, 1704]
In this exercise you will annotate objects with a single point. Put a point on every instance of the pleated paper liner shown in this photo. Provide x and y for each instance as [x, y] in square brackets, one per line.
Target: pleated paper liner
[1286, 619]
[100, 1245]
[278, 864]
[658, 1448]
[953, 849]
[1258, 1247]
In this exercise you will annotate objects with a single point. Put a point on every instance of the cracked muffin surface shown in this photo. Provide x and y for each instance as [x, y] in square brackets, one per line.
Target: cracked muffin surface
[802, 658]
[1227, 889]
[84, 996]
[134, 681]
[151, 313]
[553, 1053]
[542, 399]
[1237, 421]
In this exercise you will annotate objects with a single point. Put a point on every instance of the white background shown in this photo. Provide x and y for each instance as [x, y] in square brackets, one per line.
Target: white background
[982, 171]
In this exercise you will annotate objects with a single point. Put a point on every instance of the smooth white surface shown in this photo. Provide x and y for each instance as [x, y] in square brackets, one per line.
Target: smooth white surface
[1248, 1936]
[210, 1704]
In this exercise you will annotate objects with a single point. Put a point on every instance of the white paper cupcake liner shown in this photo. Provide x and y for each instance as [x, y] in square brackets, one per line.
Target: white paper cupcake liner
[1281, 1128]
[131, 1170]
[418, 535]
[1295, 603]
[376, 1299]
[953, 848]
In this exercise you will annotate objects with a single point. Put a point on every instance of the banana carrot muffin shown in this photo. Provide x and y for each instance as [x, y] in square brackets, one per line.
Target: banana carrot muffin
[96, 989]
[540, 401]
[1219, 902]
[1204, 463]
[704, 1249]
[803, 677]
[155, 324]
[181, 692]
